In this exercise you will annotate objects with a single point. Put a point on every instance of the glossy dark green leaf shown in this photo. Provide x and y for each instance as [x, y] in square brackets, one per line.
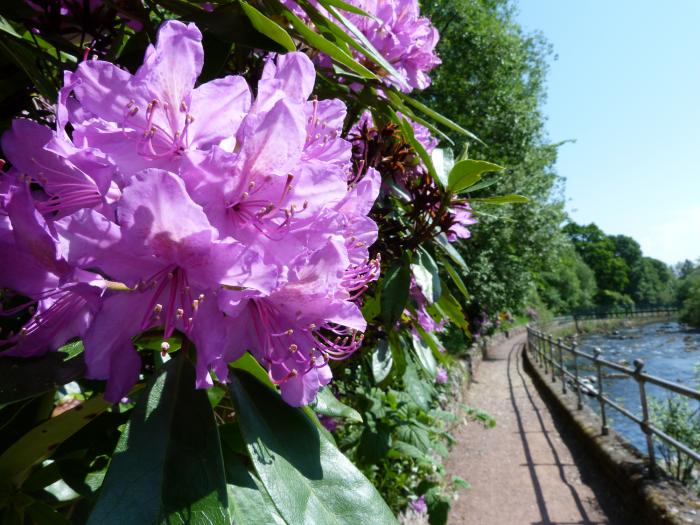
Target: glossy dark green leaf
[433, 343]
[327, 404]
[451, 251]
[451, 309]
[267, 27]
[39, 443]
[326, 46]
[167, 467]
[395, 291]
[344, 6]
[309, 480]
[466, 173]
[502, 199]
[426, 274]
[22, 378]
[382, 361]
[358, 40]
[249, 503]
[249, 364]
[425, 355]
[456, 279]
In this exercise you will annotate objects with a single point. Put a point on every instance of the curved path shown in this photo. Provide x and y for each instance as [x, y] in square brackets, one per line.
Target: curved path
[526, 470]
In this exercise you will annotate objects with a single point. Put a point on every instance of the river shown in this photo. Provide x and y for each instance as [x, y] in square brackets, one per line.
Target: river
[668, 350]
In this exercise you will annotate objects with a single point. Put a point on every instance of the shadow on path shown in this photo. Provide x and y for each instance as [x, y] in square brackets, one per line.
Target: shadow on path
[516, 380]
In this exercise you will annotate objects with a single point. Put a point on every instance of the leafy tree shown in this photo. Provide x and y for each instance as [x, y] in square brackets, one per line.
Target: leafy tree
[689, 297]
[600, 253]
[492, 79]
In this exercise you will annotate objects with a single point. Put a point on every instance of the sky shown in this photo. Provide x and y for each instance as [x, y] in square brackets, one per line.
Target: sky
[625, 86]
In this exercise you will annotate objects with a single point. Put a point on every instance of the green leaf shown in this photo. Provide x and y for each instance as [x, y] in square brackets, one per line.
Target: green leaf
[425, 356]
[360, 42]
[402, 448]
[460, 483]
[439, 117]
[40, 442]
[309, 480]
[22, 378]
[167, 467]
[483, 184]
[433, 343]
[326, 46]
[456, 279]
[466, 173]
[410, 137]
[443, 160]
[418, 389]
[344, 6]
[395, 291]
[267, 27]
[249, 503]
[249, 364]
[327, 404]
[502, 199]
[382, 361]
[426, 274]
[451, 251]
[450, 308]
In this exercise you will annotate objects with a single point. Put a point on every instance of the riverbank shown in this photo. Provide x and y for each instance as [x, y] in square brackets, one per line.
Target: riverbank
[602, 326]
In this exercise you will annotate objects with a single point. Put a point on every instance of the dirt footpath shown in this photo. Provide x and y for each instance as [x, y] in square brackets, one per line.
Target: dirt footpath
[526, 470]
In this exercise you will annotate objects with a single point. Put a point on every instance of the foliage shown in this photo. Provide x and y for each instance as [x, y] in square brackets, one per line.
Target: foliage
[679, 418]
[623, 275]
[689, 298]
[76, 450]
[492, 79]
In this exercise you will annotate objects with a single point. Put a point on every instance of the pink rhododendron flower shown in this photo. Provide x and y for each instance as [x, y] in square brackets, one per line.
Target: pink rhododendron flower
[461, 216]
[196, 210]
[398, 32]
[441, 377]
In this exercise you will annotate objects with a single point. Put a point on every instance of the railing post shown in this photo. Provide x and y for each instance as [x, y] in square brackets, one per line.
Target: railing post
[543, 346]
[576, 378]
[604, 430]
[561, 366]
[551, 359]
[638, 367]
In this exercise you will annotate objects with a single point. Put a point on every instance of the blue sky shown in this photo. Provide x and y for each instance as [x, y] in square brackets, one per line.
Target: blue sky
[626, 87]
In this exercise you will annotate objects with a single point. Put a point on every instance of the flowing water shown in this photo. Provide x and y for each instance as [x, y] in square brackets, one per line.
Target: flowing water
[669, 351]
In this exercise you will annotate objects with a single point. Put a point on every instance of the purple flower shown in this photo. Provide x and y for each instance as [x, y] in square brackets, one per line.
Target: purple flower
[461, 217]
[148, 120]
[441, 377]
[419, 506]
[190, 210]
[421, 315]
[330, 423]
[398, 33]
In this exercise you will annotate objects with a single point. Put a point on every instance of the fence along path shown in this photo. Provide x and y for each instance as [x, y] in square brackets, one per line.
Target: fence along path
[525, 470]
[562, 362]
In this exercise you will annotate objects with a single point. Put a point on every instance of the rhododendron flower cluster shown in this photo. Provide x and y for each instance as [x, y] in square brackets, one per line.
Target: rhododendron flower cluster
[398, 32]
[157, 206]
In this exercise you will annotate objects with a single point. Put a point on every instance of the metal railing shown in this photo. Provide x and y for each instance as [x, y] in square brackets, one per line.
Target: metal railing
[618, 312]
[550, 355]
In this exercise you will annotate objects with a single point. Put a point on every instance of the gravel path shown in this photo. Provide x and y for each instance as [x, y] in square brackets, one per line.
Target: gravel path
[526, 470]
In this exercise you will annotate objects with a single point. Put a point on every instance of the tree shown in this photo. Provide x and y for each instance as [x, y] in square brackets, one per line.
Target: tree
[600, 253]
[492, 80]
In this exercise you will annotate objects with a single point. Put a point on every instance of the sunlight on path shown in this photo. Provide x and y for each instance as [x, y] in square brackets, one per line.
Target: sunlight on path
[521, 471]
